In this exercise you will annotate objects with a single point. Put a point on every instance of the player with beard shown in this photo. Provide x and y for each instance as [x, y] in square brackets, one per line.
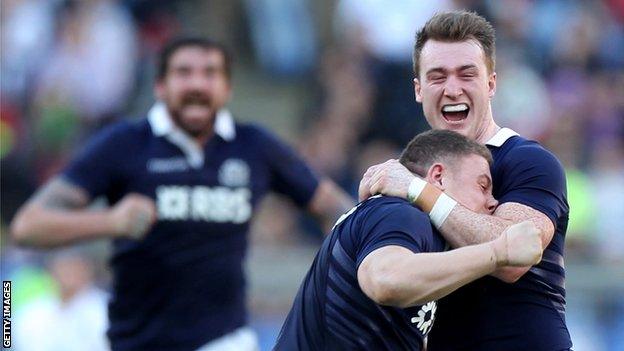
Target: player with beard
[183, 184]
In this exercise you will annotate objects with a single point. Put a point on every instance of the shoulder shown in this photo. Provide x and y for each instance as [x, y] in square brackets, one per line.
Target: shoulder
[524, 153]
[256, 133]
[124, 131]
[395, 211]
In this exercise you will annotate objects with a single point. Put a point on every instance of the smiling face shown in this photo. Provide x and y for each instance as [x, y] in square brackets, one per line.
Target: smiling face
[194, 87]
[455, 88]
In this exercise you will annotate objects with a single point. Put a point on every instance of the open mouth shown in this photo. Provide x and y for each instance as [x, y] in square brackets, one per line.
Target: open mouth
[455, 113]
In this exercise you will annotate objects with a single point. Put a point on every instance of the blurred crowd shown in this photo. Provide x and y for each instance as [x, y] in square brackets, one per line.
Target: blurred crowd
[69, 67]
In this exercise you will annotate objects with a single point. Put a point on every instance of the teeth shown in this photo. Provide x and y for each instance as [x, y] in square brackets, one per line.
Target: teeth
[455, 108]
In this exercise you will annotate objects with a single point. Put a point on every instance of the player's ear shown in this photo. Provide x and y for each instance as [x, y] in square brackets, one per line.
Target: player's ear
[492, 84]
[436, 174]
[417, 91]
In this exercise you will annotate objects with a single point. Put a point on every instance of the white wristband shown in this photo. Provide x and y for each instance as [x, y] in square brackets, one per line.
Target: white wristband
[441, 209]
[415, 188]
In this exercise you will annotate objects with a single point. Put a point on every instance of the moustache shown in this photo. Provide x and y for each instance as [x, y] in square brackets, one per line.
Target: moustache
[196, 99]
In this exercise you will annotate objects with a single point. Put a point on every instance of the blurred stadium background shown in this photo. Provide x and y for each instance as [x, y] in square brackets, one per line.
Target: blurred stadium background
[332, 77]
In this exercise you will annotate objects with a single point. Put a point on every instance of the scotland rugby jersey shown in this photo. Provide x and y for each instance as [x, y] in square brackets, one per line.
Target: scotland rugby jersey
[331, 312]
[489, 314]
[183, 284]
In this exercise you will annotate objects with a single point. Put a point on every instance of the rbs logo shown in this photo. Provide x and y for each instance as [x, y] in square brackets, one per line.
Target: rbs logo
[202, 203]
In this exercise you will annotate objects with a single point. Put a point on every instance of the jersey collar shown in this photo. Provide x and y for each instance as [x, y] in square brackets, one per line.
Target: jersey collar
[501, 137]
[162, 126]
[161, 123]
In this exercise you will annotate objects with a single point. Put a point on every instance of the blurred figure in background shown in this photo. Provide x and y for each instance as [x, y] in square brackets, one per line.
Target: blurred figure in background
[384, 35]
[183, 184]
[74, 319]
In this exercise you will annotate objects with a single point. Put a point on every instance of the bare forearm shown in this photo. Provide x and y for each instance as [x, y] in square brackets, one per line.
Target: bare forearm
[435, 275]
[464, 227]
[406, 279]
[57, 215]
[38, 227]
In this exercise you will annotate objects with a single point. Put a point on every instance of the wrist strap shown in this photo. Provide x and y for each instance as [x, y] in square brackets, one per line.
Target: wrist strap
[416, 187]
[441, 210]
[431, 200]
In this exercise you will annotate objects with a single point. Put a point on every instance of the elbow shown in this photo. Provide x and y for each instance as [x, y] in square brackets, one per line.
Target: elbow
[18, 233]
[21, 231]
[387, 291]
[510, 279]
[511, 275]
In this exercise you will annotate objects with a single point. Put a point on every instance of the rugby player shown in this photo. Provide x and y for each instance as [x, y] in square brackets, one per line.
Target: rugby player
[516, 308]
[183, 184]
[374, 282]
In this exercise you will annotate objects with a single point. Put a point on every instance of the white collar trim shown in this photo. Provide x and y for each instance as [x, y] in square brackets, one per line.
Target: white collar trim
[501, 137]
[161, 123]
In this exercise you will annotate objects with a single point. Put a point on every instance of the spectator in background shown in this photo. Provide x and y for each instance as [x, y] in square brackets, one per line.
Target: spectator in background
[73, 320]
[385, 34]
[283, 35]
[91, 69]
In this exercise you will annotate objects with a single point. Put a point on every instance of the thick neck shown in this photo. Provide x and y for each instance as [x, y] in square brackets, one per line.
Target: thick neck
[489, 131]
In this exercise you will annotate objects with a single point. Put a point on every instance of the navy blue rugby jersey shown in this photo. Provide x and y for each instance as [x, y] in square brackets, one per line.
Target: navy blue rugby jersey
[183, 284]
[331, 312]
[490, 314]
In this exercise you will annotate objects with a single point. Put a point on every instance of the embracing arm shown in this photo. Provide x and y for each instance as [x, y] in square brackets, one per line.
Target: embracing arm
[464, 227]
[57, 215]
[393, 275]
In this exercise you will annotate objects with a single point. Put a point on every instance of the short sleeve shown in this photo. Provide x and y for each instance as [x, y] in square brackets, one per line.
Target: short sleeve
[290, 175]
[94, 166]
[535, 178]
[394, 224]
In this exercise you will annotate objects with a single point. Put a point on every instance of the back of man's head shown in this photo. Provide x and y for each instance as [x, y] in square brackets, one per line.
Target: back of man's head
[443, 146]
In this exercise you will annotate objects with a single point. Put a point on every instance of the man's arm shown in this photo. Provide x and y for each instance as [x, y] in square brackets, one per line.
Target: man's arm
[328, 203]
[57, 215]
[395, 276]
[462, 226]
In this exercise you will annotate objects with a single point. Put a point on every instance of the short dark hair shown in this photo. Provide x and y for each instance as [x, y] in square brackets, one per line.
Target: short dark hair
[183, 42]
[437, 146]
[457, 26]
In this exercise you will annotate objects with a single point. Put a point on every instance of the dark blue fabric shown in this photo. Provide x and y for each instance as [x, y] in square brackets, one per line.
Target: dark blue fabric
[330, 311]
[489, 314]
[183, 284]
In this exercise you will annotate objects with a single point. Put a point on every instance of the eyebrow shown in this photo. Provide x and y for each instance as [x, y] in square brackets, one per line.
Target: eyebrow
[466, 67]
[443, 70]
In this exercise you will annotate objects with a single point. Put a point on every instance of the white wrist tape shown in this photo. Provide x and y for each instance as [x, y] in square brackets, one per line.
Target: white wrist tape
[441, 209]
[415, 188]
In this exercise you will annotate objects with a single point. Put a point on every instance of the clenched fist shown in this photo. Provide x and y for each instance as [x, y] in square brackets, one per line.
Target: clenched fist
[133, 216]
[519, 245]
